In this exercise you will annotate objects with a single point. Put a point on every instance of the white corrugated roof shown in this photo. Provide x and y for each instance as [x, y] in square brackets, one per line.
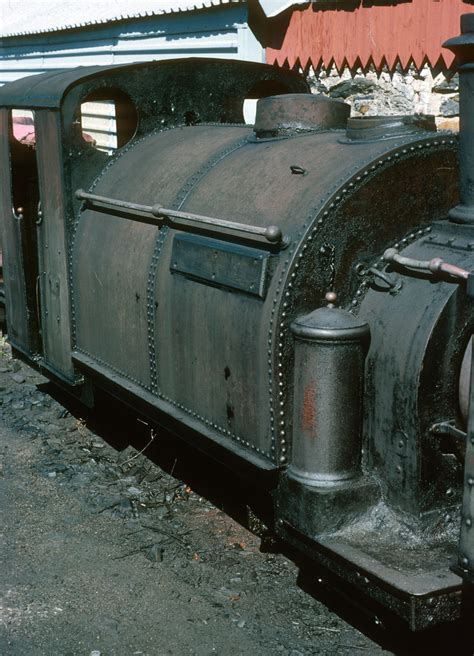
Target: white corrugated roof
[18, 17]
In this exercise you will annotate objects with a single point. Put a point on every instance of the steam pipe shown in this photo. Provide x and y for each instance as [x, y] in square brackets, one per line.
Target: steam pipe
[463, 47]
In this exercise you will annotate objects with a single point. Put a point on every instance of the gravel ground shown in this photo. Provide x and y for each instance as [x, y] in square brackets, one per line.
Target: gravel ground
[104, 552]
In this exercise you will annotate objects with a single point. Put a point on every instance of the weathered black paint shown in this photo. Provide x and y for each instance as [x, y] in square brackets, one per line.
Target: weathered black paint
[190, 320]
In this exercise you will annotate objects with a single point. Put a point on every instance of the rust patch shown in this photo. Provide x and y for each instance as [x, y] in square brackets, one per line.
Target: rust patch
[309, 408]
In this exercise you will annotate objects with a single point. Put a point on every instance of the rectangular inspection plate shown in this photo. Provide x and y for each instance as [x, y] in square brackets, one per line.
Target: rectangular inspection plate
[220, 263]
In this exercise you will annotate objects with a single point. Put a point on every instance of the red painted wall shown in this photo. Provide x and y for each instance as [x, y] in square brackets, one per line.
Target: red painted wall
[407, 32]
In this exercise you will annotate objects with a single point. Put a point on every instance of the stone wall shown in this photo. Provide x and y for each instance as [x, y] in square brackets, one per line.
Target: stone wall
[385, 94]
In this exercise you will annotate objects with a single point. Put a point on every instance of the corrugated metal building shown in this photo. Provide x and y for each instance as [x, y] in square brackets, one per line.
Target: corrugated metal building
[50, 35]
[45, 35]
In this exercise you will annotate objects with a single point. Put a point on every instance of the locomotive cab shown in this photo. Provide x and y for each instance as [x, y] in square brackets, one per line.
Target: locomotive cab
[270, 290]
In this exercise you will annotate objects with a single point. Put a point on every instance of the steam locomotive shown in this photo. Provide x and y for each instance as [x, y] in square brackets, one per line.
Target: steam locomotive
[293, 297]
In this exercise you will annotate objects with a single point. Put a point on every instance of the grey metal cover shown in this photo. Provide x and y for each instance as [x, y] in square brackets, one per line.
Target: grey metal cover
[49, 89]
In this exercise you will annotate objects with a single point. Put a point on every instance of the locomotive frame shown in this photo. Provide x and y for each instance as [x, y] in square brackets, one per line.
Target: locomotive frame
[264, 326]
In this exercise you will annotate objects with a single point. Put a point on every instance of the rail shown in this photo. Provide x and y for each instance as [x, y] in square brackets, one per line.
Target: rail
[435, 266]
[158, 215]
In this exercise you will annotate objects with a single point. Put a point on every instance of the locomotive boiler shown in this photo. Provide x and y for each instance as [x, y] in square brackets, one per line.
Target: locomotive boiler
[293, 297]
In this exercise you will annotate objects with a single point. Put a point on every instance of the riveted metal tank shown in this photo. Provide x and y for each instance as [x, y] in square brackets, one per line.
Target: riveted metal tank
[210, 338]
